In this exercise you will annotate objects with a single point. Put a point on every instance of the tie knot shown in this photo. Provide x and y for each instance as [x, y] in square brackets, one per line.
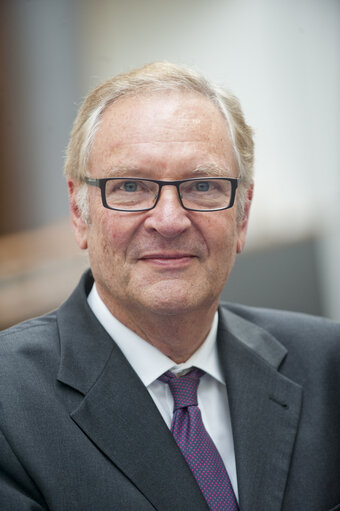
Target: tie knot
[183, 388]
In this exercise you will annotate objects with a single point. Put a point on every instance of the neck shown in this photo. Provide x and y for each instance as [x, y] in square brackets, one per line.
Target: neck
[178, 336]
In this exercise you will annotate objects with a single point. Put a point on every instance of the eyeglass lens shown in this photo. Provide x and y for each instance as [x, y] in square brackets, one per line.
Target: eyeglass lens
[137, 194]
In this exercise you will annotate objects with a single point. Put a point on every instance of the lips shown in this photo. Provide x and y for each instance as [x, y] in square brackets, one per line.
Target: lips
[163, 255]
[168, 259]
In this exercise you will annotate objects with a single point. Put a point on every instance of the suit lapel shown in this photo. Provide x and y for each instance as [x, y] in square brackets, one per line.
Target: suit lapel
[117, 413]
[120, 417]
[265, 408]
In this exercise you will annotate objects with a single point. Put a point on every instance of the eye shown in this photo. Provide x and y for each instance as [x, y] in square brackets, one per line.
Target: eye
[130, 186]
[202, 186]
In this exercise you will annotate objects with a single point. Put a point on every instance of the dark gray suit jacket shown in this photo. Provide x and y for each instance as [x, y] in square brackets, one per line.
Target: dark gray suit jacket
[79, 431]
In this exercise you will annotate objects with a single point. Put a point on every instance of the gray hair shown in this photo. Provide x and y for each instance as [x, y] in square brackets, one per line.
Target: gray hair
[151, 79]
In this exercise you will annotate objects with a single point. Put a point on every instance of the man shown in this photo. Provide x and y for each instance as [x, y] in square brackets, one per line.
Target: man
[141, 392]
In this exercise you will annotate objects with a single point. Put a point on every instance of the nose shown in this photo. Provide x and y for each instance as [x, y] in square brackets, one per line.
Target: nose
[168, 218]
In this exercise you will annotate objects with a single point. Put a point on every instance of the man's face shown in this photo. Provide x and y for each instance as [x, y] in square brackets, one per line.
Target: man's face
[167, 260]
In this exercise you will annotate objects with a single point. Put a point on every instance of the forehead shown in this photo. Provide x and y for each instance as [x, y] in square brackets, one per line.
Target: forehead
[179, 124]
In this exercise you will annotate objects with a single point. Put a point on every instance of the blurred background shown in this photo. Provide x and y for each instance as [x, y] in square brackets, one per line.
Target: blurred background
[280, 57]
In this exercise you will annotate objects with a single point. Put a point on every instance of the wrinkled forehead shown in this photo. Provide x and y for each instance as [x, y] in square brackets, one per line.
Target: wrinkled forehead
[172, 118]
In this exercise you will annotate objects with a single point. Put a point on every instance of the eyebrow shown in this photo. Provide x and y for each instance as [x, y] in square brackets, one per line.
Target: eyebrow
[210, 169]
[124, 171]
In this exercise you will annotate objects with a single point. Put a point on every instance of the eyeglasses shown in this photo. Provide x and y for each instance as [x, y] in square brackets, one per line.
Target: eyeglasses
[197, 194]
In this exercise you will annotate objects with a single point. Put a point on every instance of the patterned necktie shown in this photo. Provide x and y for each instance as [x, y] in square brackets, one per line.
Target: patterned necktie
[195, 443]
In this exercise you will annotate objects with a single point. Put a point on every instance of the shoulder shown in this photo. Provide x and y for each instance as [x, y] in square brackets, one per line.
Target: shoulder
[311, 344]
[27, 346]
[285, 322]
[34, 330]
[43, 332]
[309, 340]
[29, 365]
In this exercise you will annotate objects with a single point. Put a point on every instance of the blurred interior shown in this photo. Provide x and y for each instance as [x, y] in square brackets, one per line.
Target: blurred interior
[281, 58]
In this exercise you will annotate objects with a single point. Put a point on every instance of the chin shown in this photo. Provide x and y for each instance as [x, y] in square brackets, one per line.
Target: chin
[175, 299]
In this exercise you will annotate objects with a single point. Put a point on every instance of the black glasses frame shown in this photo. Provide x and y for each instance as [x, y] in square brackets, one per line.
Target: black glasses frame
[101, 183]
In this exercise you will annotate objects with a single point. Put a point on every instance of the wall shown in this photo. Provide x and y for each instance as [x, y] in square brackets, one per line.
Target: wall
[281, 57]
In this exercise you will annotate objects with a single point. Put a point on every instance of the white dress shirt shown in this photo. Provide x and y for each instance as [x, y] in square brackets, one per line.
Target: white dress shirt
[150, 363]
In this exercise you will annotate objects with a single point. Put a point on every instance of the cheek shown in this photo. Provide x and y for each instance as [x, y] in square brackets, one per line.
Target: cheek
[221, 234]
[110, 234]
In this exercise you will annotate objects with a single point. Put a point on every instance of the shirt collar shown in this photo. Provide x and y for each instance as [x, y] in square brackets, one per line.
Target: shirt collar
[148, 362]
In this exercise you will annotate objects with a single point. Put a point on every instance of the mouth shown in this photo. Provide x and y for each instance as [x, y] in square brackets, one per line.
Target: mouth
[168, 259]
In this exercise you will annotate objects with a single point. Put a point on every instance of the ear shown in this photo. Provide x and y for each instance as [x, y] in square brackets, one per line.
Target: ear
[243, 223]
[78, 224]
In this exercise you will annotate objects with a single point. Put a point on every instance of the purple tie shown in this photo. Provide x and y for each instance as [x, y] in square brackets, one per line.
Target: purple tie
[195, 443]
